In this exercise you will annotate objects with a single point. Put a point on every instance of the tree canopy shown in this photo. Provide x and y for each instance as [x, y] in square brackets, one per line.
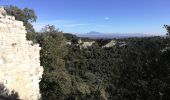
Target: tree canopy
[167, 27]
[55, 83]
[26, 15]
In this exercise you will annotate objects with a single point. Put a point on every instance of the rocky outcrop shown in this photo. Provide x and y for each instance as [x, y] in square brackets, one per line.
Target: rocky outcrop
[86, 44]
[110, 44]
[20, 68]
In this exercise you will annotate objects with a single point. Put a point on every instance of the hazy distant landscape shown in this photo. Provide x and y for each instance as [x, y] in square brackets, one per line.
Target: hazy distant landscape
[94, 34]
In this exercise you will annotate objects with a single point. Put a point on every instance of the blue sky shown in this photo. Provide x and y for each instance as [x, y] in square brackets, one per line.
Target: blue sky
[108, 16]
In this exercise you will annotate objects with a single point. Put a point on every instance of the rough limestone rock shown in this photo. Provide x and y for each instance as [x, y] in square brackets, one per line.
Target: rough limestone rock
[20, 68]
[110, 44]
[87, 44]
[83, 44]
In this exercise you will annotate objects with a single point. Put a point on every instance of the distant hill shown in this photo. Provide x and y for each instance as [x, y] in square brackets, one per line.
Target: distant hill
[94, 35]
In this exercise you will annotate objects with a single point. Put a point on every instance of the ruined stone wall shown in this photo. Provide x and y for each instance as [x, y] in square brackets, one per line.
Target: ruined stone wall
[20, 68]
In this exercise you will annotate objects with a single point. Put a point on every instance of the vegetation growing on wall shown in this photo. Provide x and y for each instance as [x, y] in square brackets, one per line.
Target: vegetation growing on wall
[26, 15]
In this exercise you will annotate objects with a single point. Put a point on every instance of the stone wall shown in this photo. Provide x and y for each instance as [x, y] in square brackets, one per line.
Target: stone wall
[20, 68]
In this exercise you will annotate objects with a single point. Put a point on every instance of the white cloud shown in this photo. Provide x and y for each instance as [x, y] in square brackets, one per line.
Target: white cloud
[39, 25]
[74, 25]
[53, 22]
[58, 23]
[106, 18]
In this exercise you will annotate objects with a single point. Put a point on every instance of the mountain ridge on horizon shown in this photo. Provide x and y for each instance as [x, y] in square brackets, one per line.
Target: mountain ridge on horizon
[95, 34]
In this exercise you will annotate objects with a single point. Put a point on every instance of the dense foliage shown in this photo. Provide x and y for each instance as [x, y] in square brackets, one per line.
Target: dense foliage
[55, 83]
[138, 70]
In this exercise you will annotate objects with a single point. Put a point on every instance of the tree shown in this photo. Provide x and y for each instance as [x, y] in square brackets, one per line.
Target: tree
[53, 46]
[26, 15]
[167, 27]
[55, 83]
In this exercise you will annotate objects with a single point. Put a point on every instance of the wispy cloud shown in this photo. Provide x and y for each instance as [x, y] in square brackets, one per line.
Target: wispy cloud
[40, 24]
[75, 25]
[59, 24]
[106, 18]
[52, 22]
[38, 27]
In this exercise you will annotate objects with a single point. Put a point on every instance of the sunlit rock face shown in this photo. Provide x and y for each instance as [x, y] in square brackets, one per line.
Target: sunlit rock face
[20, 68]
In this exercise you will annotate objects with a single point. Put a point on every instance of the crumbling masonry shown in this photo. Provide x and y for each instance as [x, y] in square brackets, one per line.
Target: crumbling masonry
[20, 68]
